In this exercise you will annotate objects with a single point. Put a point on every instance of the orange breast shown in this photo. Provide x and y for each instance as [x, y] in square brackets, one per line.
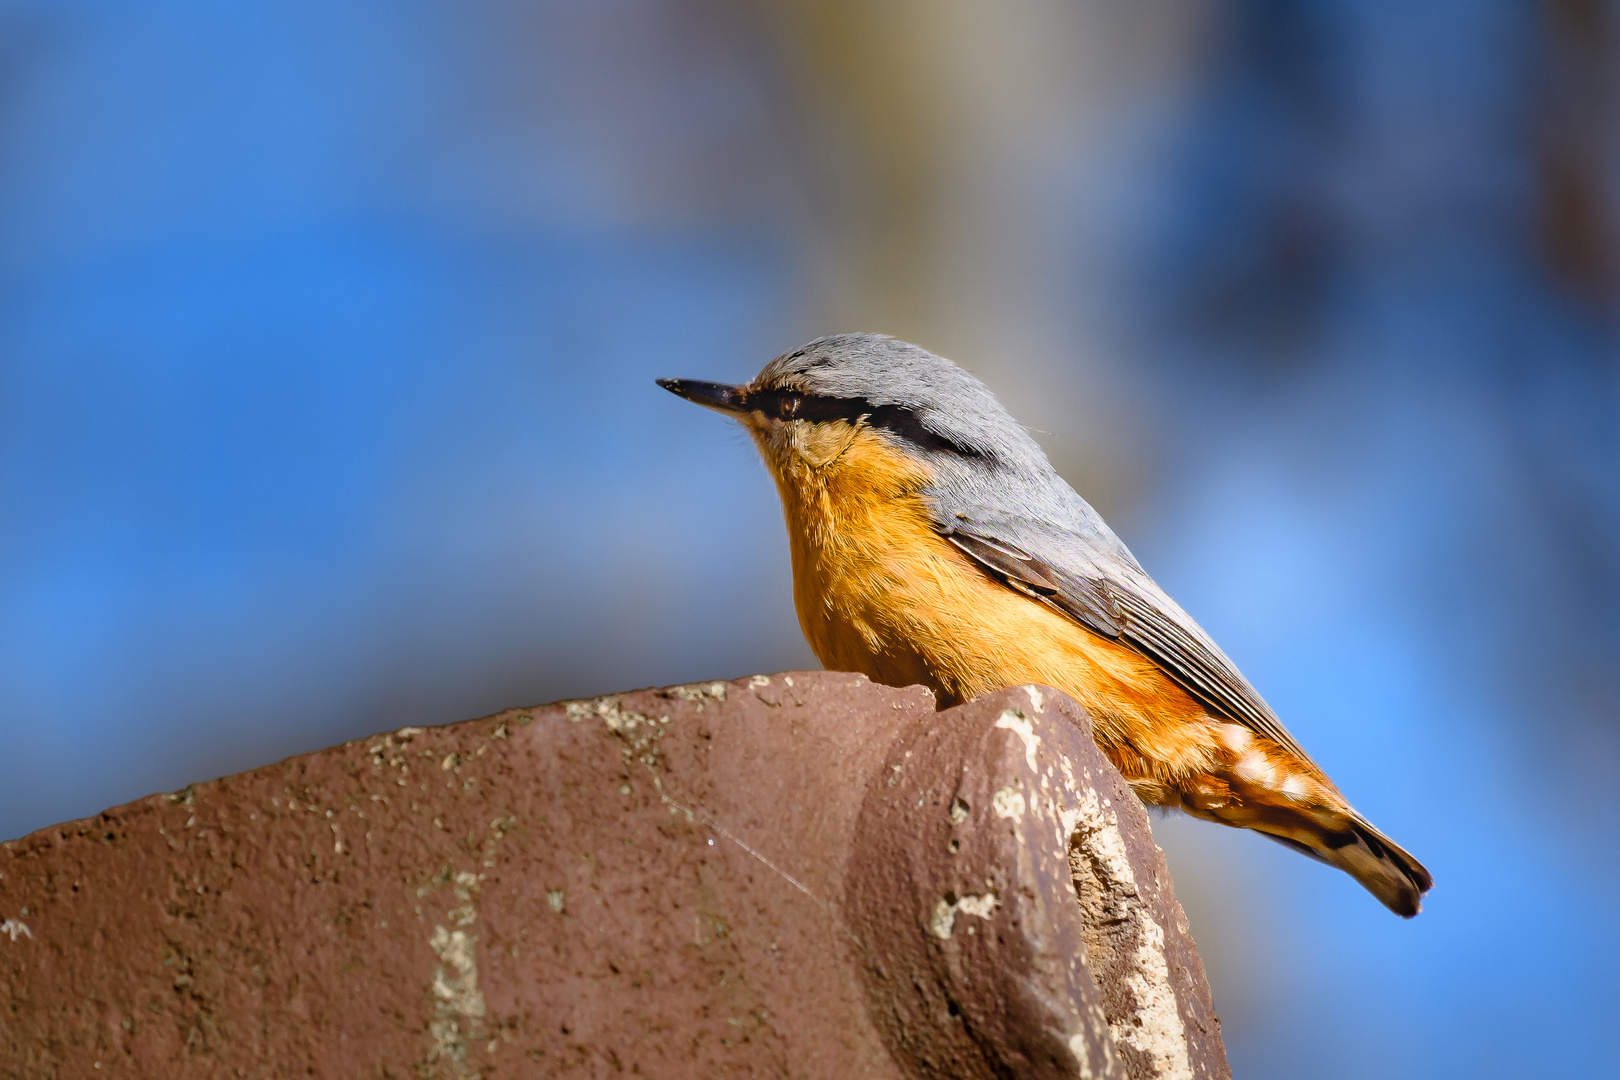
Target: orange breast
[879, 591]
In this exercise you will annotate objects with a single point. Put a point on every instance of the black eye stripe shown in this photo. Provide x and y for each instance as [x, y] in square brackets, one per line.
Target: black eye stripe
[792, 405]
[903, 422]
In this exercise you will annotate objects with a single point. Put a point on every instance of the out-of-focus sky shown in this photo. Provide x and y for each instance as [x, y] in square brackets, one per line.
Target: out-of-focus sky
[328, 331]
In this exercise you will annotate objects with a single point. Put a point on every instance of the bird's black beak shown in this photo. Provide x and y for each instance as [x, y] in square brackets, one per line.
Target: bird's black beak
[711, 395]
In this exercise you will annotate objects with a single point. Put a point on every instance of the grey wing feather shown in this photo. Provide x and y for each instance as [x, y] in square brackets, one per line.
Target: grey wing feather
[1106, 591]
[1029, 575]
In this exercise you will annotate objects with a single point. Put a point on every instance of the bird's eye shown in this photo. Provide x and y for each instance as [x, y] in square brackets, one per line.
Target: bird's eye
[789, 407]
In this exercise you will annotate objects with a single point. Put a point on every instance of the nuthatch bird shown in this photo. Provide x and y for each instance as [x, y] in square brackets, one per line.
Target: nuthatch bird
[933, 543]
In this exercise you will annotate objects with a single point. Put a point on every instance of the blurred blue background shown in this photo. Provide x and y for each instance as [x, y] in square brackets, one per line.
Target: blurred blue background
[328, 331]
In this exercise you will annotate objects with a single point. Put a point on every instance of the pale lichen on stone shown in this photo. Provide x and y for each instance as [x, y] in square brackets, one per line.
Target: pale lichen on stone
[1123, 933]
[1037, 700]
[698, 693]
[942, 922]
[1018, 724]
[1155, 1027]
[457, 999]
[1009, 803]
[458, 1003]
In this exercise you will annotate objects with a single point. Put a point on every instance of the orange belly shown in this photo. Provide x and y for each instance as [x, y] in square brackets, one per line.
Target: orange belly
[879, 591]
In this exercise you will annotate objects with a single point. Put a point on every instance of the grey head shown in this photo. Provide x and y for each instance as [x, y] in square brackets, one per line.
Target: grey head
[945, 402]
[988, 470]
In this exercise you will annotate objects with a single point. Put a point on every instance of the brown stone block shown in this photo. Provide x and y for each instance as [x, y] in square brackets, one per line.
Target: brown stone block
[798, 875]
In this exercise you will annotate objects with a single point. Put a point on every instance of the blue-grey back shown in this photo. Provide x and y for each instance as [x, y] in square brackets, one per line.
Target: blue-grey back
[999, 500]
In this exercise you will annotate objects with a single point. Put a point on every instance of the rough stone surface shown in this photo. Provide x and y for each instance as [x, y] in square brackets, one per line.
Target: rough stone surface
[995, 818]
[800, 875]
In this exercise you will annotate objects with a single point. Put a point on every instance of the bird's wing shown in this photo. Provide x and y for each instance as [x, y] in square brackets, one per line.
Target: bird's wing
[1105, 591]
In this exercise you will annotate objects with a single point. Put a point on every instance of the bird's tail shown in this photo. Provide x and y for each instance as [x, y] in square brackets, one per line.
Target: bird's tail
[1348, 841]
[1278, 792]
[1307, 813]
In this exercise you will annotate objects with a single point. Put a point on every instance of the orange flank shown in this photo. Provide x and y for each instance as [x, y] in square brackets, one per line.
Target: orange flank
[879, 591]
